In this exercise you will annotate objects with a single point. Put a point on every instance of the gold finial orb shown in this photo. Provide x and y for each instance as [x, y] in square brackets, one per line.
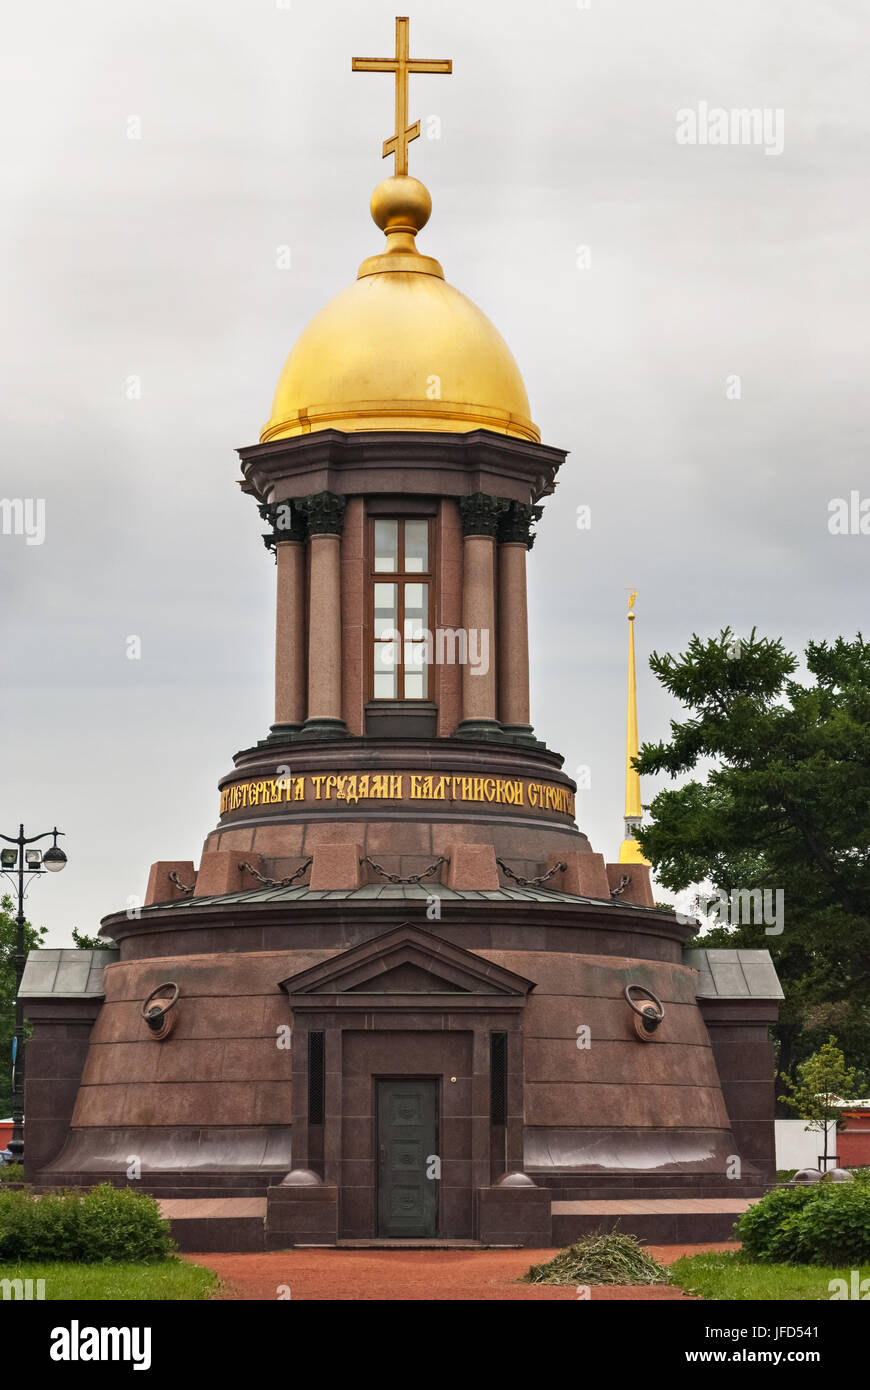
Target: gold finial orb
[401, 204]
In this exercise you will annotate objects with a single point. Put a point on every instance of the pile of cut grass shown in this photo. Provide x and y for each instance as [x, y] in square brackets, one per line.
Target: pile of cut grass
[605, 1258]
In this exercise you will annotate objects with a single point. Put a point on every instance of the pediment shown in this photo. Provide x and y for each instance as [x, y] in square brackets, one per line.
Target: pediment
[407, 978]
[407, 960]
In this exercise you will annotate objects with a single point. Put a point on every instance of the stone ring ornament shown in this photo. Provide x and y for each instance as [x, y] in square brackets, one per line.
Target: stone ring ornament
[156, 1012]
[649, 1011]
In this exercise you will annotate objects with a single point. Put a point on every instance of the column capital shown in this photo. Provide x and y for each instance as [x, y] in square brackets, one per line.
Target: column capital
[516, 522]
[481, 513]
[324, 512]
[287, 521]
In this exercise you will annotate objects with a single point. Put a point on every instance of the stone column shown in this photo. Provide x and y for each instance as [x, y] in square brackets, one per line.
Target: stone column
[325, 516]
[515, 538]
[480, 517]
[288, 539]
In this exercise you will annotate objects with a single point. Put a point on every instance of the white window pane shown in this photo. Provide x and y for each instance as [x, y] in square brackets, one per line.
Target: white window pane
[386, 656]
[385, 686]
[386, 547]
[415, 684]
[416, 547]
[417, 602]
[415, 655]
[385, 602]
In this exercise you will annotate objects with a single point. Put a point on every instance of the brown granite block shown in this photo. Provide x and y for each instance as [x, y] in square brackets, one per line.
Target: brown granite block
[336, 865]
[584, 873]
[639, 887]
[621, 1062]
[514, 1215]
[560, 1103]
[220, 872]
[160, 889]
[471, 866]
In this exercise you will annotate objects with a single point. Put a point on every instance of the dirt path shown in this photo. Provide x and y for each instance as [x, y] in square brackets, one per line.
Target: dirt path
[392, 1275]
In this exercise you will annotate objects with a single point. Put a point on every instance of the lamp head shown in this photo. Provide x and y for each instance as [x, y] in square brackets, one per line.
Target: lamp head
[54, 859]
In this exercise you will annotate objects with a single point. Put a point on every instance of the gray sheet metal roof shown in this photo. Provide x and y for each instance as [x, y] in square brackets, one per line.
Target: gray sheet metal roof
[737, 974]
[66, 973]
[391, 892]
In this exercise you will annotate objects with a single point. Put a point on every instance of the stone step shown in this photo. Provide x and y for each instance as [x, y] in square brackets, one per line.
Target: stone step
[231, 1224]
[211, 1224]
[664, 1221]
[657, 1194]
[417, 1243]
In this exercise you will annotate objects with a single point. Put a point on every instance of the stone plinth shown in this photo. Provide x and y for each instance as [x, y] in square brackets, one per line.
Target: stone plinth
[301, 1214]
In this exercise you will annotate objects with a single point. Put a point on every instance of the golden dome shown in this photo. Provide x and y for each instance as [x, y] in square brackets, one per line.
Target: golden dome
[400, 349]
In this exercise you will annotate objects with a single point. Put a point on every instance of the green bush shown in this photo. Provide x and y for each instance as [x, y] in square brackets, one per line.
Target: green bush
[828, 1223]
[105, 1225]
[835, 1228]
[12, 1172]
[762, 1227]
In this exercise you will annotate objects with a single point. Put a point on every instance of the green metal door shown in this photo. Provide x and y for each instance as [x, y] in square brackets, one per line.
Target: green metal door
[407, 1151]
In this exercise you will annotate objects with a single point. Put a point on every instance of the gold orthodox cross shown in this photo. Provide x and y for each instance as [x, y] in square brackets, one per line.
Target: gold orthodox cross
[402, 66]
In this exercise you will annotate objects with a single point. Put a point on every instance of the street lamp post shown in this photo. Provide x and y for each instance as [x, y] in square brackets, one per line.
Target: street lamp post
[20, 861]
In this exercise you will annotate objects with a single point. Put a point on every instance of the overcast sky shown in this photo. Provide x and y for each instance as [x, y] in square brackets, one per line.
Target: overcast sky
[156, 258]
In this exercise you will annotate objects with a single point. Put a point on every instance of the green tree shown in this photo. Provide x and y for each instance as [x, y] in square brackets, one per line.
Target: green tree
[33, 939]
[822, 1080]
[88, 943]
[784, 804]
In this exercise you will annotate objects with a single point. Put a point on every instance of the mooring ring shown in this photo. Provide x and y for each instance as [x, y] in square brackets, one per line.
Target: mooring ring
[165, 1010]
[640, 1010]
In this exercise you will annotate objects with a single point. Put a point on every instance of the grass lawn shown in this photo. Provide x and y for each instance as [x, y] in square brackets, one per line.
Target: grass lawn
[733, 1276]
[166, 1279]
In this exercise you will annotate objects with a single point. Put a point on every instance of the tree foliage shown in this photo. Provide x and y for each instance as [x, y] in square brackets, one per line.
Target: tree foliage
[88, 943]
[784, 804]
[33, 938]
[822, 1081]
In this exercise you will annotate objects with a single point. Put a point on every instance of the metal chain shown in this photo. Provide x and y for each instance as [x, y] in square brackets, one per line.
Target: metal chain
[530, 882]
[414, 878]
[275, 882]
[182, 887]
[623, 884]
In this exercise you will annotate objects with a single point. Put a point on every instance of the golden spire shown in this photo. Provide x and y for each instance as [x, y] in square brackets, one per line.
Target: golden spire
[402, 65]
[629, 852]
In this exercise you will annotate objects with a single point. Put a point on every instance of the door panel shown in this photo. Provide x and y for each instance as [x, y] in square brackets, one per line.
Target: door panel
[407, 1139]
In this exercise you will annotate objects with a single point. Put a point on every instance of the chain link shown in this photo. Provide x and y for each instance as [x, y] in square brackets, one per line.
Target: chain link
[530, 882]
[275, 882]
[395, 878]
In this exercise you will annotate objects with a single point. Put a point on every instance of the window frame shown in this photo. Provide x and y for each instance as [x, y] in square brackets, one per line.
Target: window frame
[400, 578]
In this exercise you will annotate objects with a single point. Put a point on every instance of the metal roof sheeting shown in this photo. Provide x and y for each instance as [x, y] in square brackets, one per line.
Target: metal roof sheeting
[392, 892]
[66, 972]
[737, 974]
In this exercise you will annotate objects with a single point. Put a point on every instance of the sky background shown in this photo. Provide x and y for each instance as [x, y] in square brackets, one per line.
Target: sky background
[157, 258]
